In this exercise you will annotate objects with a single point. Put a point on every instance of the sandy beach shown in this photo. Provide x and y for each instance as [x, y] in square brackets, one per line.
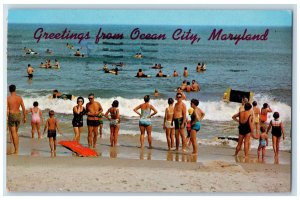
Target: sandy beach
[71, 174]
[129, 169]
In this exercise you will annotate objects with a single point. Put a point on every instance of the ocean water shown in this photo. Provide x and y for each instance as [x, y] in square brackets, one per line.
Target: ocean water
[264, 67]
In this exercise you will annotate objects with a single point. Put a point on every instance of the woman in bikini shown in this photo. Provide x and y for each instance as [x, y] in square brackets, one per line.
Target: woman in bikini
[245, 128]
[114, 122]
[170, 129]
[77, 122]
[145, 121]
[36, 116]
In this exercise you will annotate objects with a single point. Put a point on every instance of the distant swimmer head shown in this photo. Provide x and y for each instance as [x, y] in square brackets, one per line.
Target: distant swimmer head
[194, 102]
[12, 88]
[170, 101]
[265, 105]
[178, 89]
[115, 103]
[28, 65]
[193, 81]
[80, 100]
[188, 83]
[190, 111]
[160, 71]
[184, 81]
[146, 98]
[55, 91]
[247, 106]
[276, 115]
[185, 68]
[140, 70]
[55, 60]
[35, 104]
[77, 49]
[245, 100]
[198, 63]
[254, 103]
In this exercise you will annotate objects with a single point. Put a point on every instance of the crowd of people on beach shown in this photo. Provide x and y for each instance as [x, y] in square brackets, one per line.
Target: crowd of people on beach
[175, 122]
[250, 118]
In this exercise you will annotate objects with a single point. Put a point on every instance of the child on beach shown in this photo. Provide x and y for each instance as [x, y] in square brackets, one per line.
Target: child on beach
[52, 125]
[263, 142]
[36, 116]
[277, 131]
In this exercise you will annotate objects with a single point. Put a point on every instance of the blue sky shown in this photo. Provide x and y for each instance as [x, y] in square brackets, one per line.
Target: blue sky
[150, 17]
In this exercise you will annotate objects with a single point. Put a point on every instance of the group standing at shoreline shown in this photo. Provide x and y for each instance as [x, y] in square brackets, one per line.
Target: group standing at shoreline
[174, 121]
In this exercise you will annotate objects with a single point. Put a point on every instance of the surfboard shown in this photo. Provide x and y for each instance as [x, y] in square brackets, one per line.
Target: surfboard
[78, 148]
[236, 96]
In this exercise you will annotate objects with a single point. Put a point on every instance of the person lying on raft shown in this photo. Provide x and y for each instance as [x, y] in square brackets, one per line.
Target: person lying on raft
[141, 73]
[58, 95]
[138, 55]
[121, 64]
[160, 74]
[49, 51]
[157, 66]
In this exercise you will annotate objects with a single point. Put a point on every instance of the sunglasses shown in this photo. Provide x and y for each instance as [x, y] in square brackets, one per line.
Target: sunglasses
[91, 98]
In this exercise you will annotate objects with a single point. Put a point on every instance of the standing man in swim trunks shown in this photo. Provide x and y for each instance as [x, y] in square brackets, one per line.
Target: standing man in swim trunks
[14, 116]
[179, 118]
[30, 71]
[93, 109]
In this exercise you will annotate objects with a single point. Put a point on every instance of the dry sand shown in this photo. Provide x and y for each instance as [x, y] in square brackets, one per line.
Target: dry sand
[76, 174]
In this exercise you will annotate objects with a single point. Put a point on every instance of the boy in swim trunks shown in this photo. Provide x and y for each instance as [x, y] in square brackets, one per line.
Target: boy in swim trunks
[179, 118]
[14, 116]
[263, 142]
[52, 126]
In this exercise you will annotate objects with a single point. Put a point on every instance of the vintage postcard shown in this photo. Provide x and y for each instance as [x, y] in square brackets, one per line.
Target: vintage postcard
[149, 100]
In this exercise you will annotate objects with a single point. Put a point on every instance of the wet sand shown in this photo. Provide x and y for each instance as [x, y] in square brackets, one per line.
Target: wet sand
[127, 168]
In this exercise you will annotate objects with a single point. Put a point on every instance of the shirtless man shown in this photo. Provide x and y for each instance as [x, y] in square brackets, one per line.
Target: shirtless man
[179, 118]
[195, 86]
[175, 74]
[30, 71]
[14, 116]
[185, 72]
[198, 68]
[93, 109]
[188, 87]
[77, 53]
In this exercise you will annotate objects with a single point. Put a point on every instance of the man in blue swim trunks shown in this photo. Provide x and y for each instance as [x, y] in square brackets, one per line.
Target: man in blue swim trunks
[179, 118]
[93, 108]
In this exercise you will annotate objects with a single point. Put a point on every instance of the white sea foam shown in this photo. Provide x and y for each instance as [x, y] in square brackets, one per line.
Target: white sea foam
[214, 110]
